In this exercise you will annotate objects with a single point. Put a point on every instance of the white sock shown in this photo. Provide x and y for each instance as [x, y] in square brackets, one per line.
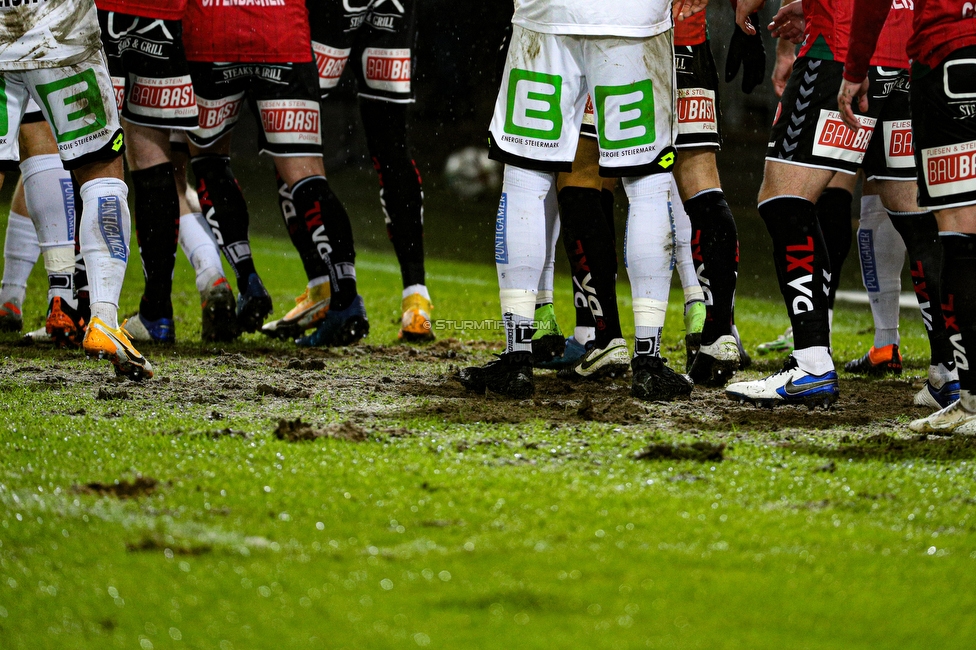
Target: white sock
[882, 253]
[546, 280]
[520, 250]
[50, 201]
[939, 375]
[200, 247]
[520, 228]
[814, 360]
[518, 313]
[649, 256]
[20, 253]
[693, 289]
[584, 334]
[104, 238]
[412, 289]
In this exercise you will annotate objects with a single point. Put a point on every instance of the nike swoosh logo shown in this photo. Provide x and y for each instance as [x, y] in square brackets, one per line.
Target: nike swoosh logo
[589, 363]
[792, 389]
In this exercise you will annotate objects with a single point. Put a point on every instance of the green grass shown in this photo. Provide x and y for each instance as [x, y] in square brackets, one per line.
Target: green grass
[464, 521]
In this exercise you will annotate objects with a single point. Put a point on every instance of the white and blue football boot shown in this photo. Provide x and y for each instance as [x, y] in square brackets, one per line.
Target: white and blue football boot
[791, 385]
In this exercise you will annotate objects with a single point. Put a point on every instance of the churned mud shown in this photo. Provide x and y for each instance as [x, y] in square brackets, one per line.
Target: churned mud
[373, 392]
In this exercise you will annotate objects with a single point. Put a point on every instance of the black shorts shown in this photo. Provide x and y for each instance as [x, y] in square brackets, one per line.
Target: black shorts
[379, 36]
[697, 97]
[283, 96]
[944, 109]
[149, 70]
[890, 155]
[808, 130]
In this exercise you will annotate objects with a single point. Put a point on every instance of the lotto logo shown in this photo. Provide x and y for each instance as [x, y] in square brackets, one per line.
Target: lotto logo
[171, 97]
[218, 114]
[899, 152]
[834, 140]
[387, 69]
[118, 84]
[290, 121]
[330, 62]
[696, 111]
[951, 169]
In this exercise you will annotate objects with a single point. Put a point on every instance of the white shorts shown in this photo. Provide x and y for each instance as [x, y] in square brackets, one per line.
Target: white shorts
[78, 101]
[543, 94]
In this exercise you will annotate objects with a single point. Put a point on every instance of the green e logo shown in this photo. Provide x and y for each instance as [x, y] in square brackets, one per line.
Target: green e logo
[534, 105]
[75, 105]
[4, 121]
[626, 115]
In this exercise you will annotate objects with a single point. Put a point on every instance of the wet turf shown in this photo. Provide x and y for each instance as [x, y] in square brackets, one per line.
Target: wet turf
[256, 495]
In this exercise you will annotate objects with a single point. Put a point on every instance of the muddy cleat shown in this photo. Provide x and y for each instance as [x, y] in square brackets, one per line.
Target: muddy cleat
[510, 375]
[782, 343]
[65, 324]
[39, 335]
[952, 419]
[547, 341]
[309, 311]
[654, 381]
[11, 318]
[415, 322]
[103, 342]
[572, 353]
[788, 386]
[610, 361]
[937, 398]
[885, 360]
[339, 328]
[162, 331]
[694, 323]
[253, 305]
[716, 363]
[218, 318]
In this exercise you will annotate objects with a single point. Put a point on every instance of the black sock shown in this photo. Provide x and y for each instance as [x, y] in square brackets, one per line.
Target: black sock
[920, 231]
[81, 271]
[959, 302]
[225, 210]
[157, 221]
[607, 203]
[592, 259]
[331, 232]
[802, 267]
[715, 249]
[313, 263]
[401, 192]
[834, 214]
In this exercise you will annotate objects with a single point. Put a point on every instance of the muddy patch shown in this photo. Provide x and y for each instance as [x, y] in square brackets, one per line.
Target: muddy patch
[298, 431]
[702, 452]
[882, 446]
[139, 487]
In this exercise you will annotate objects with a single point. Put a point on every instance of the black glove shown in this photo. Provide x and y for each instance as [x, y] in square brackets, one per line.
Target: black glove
[746, 51]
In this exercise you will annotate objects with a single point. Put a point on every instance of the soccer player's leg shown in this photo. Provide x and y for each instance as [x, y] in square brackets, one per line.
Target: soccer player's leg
[591, 249]
[221, 199]
[20, 253]
[714, 240]
[93, 153]
[533, 150]
[155, 95]
[882, 255]
[51, 203]
[218, 318]
[633, 100]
